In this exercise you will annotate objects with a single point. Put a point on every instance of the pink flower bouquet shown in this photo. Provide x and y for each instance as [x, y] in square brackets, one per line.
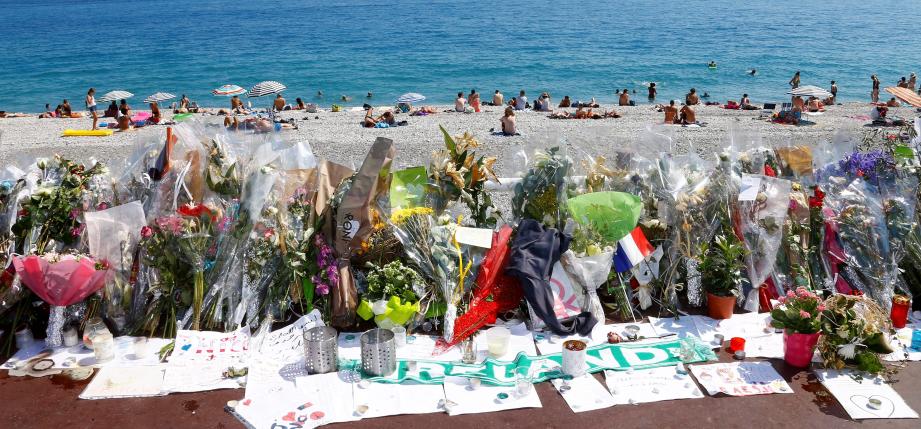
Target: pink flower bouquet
[60, 281]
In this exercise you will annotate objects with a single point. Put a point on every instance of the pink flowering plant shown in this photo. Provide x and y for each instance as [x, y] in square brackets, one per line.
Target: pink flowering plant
[800, 312]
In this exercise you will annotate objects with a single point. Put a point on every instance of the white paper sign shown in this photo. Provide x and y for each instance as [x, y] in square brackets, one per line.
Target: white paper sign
[464, 399]
[315, 400]
[683, 327]
[583, 393]
[901, 342]
[650, 385]
[205, 346]
[751, 185]
[855, 396]
[384, 399]
[286, 345]
[199, 377]
[125, 382]
[740, 378]
[478, 237]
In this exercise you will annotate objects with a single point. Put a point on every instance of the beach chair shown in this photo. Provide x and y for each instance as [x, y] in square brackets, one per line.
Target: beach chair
[767, 111]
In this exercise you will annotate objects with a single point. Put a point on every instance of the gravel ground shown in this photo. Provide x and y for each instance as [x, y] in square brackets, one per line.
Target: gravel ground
[338, 136]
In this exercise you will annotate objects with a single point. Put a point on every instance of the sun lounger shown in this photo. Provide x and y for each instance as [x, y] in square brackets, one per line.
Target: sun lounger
[767, 111]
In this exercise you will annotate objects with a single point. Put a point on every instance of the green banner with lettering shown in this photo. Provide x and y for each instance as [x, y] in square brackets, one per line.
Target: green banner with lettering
[546, 367]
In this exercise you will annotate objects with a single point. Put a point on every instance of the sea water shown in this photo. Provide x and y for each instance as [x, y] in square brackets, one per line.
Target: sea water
[51, 50]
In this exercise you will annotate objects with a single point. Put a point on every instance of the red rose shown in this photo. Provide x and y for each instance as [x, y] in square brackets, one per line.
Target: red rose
[146, 232]
[194, 210]
[768, 171]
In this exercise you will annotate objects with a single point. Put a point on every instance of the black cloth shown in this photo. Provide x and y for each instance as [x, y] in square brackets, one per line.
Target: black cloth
[535, 250]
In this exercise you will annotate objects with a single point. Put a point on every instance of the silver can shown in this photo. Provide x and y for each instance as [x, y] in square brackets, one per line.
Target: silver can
[378, 352]
[321, 350]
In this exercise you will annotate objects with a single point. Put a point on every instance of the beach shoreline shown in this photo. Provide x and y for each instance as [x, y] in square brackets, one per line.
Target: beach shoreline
[339, 137]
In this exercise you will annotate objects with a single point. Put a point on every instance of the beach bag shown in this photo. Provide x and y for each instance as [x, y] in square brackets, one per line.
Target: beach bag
[312, 108]
[336, 108]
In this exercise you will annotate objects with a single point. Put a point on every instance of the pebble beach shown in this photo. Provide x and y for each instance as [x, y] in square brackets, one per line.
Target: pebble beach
[339, 137]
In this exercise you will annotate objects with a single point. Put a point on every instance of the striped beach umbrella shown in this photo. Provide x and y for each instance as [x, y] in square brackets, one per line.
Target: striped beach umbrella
[115, 96]
[158, 97]
[810, 91]
[411, 97]
[228, 90]
[266, 88]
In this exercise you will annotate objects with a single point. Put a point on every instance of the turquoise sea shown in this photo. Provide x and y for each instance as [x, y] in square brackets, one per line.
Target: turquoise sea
[57, 49]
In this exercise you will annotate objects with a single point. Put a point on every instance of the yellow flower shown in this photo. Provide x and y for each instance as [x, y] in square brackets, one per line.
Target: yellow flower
[465, 141]
[402, 215]
[456, 175]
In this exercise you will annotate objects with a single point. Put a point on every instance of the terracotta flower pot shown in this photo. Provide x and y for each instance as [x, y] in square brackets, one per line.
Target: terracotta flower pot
[720, 307]
[799, 348]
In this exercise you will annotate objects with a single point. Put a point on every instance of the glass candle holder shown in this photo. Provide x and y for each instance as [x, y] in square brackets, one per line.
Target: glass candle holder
[899, 313]
[736, 344]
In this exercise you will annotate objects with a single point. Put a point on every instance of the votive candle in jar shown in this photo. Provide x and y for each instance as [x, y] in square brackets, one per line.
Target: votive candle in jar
[574, 357]
[899, 314]
[103, 346]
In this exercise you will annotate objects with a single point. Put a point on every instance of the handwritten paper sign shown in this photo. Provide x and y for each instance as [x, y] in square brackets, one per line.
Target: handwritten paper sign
[314, 401]
[583, 393]
[204, 346]
[77, 356]
[650, 385]
[855, 396]
[740, 378]
[286, 345]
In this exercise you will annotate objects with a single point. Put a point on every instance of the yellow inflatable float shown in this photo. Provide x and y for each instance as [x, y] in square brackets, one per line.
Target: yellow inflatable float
[87, 133]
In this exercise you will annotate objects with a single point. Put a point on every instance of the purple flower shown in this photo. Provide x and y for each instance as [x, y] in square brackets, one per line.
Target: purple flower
[322, 289]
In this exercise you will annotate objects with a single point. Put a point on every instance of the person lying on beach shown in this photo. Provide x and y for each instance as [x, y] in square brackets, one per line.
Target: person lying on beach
[731, 105]
[507, 121]
[687, 115]
[610, 114]
[691, 98]
[565, 102]
[424, 111]
[460, 103]
[893, 103]
[48, 112]
[370, 121]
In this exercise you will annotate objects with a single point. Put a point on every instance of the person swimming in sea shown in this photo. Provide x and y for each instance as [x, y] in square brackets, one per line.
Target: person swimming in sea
[319, 94]
[712, 64]
[706, 95]
[369, 95]
[753, 72]
[652, 91]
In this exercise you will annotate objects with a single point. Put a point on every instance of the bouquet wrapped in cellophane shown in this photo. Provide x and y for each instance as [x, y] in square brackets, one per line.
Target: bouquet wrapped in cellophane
[762, 209]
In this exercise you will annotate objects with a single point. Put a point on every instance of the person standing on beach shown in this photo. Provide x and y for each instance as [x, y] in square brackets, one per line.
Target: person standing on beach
[474, 100]
[794, 82]
[91, 106]
[912, 81]
[498, 99]
[874, 95]
[652, 91]
[521, 102]
[624, 99]
[834, 91]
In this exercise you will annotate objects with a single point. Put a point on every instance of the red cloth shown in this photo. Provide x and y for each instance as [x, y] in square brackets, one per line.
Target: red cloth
[494, 293]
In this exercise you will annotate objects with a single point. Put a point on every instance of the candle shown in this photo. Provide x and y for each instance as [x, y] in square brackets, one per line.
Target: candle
[736, 344]
[899, 314]
[574, 357]
[70, 337]
[497, 339]
[399, 335]
[103, 347]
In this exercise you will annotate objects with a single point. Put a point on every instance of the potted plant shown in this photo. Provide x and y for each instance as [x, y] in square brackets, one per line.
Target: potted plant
[800, 318]
[721, 272]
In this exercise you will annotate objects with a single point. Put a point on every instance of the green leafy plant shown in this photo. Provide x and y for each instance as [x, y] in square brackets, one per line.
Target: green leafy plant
[721, 265]
[854, 332]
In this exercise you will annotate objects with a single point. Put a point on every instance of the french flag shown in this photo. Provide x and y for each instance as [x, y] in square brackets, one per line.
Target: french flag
[631, 250]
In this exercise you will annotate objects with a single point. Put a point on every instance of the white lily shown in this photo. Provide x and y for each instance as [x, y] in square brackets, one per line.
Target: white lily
[848, 351]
